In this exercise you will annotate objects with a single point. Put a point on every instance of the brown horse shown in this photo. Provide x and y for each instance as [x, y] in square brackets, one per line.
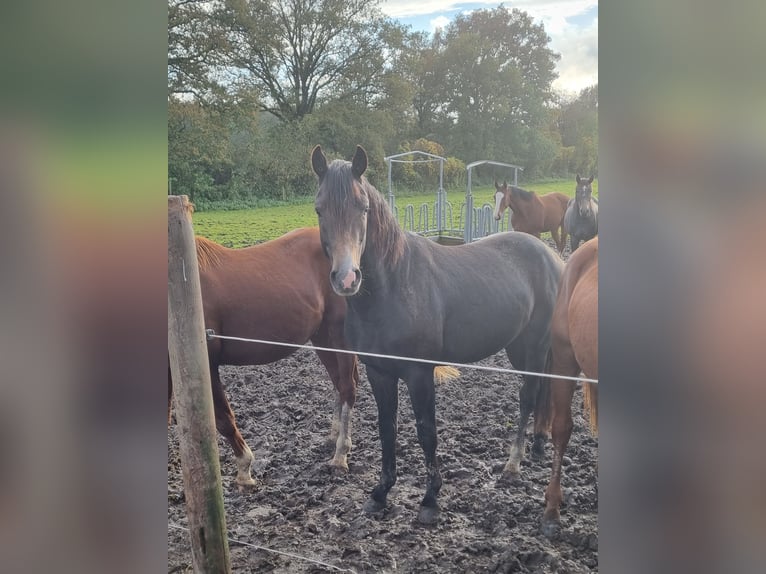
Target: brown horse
[533, 213]
[278, 290]
[574, 349]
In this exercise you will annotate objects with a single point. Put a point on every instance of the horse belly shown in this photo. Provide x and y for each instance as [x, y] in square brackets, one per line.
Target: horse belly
[271, 321]
[474, 339]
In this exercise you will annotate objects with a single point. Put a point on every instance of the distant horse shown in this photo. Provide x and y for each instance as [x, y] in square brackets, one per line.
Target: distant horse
[445, 303]
[581, 218]
[278, 290]
[533, 213]
[574, 347]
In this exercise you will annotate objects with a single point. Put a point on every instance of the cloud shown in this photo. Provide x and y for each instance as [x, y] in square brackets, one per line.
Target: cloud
[577, 44]
[544, 9]
[578, 67]
[439, 22]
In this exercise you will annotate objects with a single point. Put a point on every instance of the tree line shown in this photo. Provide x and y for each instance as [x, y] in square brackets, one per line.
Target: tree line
[254, 84]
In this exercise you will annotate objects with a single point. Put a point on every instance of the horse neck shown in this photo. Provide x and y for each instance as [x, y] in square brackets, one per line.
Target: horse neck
[526, 207]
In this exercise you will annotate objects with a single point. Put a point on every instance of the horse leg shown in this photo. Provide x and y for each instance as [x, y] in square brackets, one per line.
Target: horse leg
[533, 396]
[170, 392]
[423, 398]
[557, 239]
[563, 362]
[344, 373]
[561, 397]
[224, 422]
[563, 238]
[386, 392]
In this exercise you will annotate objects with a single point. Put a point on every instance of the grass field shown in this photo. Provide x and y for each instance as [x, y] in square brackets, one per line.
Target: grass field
[249, 226]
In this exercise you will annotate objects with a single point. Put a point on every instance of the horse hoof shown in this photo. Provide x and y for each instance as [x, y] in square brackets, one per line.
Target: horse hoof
[372, 506]
[428, 515]
[510, 473]
[537, 454]
[246, 485]
[550, 528]
[338, 468]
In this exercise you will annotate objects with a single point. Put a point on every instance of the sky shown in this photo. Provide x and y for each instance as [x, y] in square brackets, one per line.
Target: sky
[571, 24]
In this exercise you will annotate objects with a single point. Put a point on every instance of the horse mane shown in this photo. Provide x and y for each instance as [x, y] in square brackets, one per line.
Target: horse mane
[522, 193]
[208, 252]
[386, 235]
[383, 230]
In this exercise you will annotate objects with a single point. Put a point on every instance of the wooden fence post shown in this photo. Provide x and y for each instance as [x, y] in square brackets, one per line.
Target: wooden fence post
[193, 397]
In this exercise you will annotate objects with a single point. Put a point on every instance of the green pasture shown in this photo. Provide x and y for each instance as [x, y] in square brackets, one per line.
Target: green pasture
[249, 226]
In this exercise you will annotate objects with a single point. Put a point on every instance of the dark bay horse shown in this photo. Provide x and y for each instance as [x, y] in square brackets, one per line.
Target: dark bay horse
[581, 218]
[278, 290]
[574, 347]
[409, 296]
[532, 213]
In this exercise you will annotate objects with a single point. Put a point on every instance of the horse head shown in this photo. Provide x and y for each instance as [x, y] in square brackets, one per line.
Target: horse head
[583, 193]
[502, 199]
[342, 205]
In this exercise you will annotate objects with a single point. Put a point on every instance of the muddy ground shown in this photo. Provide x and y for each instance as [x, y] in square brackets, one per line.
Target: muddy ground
[301, 507]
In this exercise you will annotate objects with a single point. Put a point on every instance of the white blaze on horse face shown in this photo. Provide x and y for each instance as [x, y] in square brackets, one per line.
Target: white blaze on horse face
[499, 196]
[345, 275]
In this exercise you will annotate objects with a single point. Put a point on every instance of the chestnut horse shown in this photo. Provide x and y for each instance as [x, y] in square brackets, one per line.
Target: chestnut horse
[278, 290]
[574, 348]
[411, 297]
[533, 213]
[581, 217]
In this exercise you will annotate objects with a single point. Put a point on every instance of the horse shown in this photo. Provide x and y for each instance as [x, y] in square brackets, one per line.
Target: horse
[574, 349]
[409, 296]
[278, 290]
[533, 213]
[581, 217]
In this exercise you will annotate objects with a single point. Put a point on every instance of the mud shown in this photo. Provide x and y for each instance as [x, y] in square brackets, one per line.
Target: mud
[300, 506]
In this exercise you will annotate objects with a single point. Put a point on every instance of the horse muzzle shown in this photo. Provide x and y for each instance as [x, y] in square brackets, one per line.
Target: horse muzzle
[346, 282]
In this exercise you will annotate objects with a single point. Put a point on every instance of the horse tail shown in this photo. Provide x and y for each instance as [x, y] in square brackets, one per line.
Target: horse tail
[590, 405]
[443, 373]
[544, 405]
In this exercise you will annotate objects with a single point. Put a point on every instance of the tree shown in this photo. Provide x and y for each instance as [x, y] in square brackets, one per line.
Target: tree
[298, 53]
[578, 123]
[196, 46]
[199, 154]
[496, 72]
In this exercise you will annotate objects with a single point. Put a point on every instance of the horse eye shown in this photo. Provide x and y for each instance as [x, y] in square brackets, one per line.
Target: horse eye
[317, 212]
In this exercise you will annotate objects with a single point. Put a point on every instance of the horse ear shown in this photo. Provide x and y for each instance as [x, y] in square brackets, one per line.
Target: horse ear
[497, 185]
[590, 180]
[359, 163]
[319, 161]
[578, 178]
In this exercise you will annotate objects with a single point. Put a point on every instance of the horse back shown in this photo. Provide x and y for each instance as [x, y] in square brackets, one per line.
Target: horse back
[511, 269]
